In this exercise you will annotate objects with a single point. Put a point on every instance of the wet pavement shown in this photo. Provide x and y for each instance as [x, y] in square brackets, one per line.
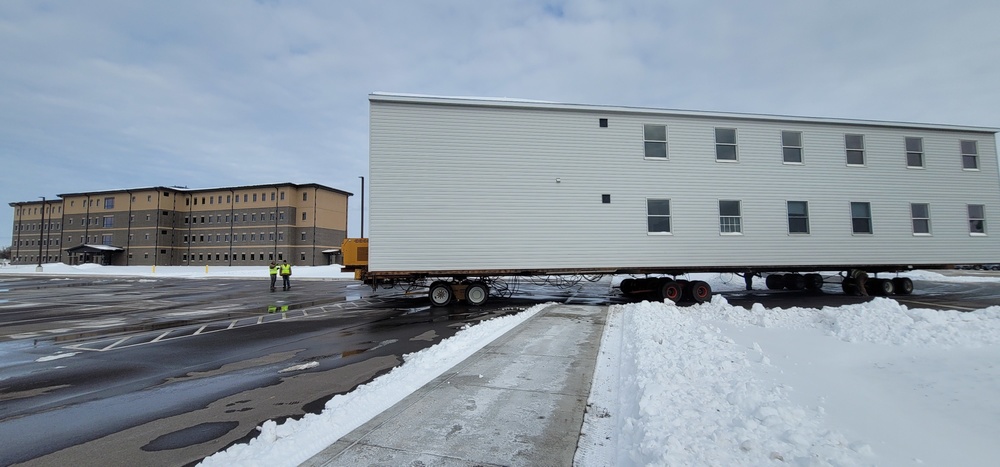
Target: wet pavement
[165, 372]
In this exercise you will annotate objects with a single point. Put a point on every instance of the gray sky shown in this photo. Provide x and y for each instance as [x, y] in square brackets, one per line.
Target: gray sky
[105, 94]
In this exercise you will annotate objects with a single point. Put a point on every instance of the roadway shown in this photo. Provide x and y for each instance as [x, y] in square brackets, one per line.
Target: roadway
[168, 371]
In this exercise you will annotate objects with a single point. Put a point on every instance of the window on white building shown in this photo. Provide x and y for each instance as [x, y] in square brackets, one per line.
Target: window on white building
[725, 145]
[791, 147]
[655, 140]
[730, 218]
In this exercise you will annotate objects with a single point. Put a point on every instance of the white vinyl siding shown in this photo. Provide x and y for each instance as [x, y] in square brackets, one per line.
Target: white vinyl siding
[467, 185]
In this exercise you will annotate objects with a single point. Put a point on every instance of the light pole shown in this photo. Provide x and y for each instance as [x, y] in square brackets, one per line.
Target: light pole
[40, 237]
[362, 206]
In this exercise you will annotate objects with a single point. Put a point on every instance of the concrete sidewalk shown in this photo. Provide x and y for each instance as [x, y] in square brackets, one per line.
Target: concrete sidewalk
[519, 401]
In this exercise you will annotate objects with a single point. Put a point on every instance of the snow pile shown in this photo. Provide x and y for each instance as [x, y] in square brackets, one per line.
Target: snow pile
[295, 441]
[687, 396]
[881, 320]
[869, 384]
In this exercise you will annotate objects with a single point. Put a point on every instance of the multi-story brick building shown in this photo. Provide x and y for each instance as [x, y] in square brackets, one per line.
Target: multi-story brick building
[230, 226]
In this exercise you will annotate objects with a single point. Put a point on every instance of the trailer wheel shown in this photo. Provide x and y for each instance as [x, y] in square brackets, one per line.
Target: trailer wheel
[795, 281]
[670, 290]
[883, 287]
[904, 285]
[440, 293]
[814, 281]
[774, 282]
[627, 286]
[477, 293]
[700, 291]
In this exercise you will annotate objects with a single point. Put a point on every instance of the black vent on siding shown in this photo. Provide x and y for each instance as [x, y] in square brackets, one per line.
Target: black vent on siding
[603, 123]
[606, 199]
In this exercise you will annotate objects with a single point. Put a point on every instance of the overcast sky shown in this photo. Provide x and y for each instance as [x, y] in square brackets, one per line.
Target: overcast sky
[106, 94]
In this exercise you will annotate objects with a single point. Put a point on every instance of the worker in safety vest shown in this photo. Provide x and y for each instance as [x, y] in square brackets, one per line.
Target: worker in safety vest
[286, 272]
[273, 271]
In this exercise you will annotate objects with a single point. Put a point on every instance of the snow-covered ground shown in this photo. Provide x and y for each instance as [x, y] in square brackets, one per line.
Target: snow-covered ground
[715, 384]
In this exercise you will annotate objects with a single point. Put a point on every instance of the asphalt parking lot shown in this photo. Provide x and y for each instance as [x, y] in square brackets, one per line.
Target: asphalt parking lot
[168, 371]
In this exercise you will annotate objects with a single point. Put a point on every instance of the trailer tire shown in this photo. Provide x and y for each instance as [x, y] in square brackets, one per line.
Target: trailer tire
[627, 286]
[774, 282]
[700, 291]
[477, 293]
[814, 281]
[440, 293]
[881, 287]
[795, 281]
[904, 285]
[670, 290]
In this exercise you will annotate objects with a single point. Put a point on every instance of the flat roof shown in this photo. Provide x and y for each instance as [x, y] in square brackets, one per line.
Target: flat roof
[182, 189]
[534, 104]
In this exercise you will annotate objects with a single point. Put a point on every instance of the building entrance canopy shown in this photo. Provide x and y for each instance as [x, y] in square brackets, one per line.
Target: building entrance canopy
[101, 254]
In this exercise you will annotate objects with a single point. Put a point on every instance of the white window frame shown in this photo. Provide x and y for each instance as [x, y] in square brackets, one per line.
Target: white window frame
[730, 224]
[788, 215]
[926, 219]
[646, 141]
[735, 144]
[784, 146]
[668, 216]
[966, 156]
[848, 149]
[871, 220]
[982, 230]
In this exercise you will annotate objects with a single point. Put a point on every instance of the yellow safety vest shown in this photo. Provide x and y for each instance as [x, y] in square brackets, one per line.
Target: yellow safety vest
[286, 269]
[273, 270]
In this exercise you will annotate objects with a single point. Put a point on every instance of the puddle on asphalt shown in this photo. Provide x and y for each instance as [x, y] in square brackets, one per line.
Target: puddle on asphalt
[190, 436]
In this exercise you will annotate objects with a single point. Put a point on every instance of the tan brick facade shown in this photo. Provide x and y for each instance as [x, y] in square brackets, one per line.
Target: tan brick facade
[243, 225]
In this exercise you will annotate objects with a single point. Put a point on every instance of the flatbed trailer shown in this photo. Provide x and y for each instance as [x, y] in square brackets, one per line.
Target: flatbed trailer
[474, 287]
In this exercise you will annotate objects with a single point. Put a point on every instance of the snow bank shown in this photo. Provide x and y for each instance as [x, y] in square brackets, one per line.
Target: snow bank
[869, 384]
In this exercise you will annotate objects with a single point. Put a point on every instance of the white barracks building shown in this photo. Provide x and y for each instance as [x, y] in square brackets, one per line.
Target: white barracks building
[478, 186]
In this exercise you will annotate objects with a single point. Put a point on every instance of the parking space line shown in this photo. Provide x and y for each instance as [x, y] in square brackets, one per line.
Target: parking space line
[161, 336]
[177, 333]
[119, 341]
